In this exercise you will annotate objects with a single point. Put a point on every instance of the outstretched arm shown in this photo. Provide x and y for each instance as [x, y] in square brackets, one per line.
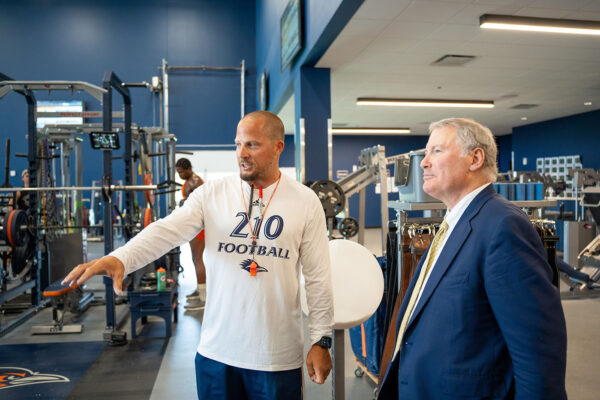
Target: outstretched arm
[151, 243]
[107, 265]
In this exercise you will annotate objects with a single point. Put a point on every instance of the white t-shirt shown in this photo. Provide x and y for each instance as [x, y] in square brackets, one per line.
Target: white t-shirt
[252, 322]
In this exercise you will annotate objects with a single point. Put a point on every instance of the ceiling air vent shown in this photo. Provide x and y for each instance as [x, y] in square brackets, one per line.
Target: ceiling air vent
[452, 60]
[524, 106]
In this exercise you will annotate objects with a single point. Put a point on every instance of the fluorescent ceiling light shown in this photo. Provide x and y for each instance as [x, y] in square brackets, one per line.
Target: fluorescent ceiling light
[375, 131]
[371, 101]
[532, 24]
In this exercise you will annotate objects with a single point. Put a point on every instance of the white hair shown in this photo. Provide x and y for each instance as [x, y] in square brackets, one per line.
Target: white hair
[471, 135]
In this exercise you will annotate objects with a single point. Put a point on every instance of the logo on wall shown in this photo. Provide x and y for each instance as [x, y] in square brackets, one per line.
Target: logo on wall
[12, 377]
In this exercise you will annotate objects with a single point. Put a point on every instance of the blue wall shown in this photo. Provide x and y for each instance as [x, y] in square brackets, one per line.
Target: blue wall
[576, 134]
[324, 20]
[504, 144]
[79, 40]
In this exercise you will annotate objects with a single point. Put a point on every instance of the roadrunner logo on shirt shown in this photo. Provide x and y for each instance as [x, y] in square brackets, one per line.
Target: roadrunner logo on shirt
[11, 377]
[246, 265]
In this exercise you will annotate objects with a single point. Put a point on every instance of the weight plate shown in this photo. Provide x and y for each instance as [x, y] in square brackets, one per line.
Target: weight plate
[19, 257]
[15, 234]
[331, 195]
[149, 194]
[348, 227]
[148, 217]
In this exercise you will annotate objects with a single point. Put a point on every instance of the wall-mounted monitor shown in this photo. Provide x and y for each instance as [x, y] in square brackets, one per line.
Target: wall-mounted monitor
[104, 140]
[63, 112]
[292, 32]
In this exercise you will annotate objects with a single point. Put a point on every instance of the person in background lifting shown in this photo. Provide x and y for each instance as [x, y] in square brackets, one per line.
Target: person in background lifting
[22, 198]
[197, 298]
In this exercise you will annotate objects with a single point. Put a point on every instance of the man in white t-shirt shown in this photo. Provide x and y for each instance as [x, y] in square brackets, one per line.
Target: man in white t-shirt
[260, 227]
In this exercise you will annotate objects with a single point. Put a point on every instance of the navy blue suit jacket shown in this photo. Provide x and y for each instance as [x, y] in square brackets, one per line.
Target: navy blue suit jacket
[489, 323]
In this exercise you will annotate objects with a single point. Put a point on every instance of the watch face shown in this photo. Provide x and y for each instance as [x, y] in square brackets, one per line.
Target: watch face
[325, 342]
[264, 91]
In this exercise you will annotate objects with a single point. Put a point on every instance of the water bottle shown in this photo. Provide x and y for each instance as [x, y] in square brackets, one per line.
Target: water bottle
[161, 279]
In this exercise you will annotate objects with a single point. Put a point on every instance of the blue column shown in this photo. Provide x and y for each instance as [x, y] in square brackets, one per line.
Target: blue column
[312, 101]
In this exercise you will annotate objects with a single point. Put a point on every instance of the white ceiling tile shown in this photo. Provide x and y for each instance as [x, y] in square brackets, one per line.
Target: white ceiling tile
[364, 27]
[560, 4]
[437, 48]
[430, 11]
[585, 15]
[515, 3]
[470, 15]
[409, 29]
[592, 5]
[381, 9]
[455, 32]
[343, 51]
[386, 44]
[542, 12]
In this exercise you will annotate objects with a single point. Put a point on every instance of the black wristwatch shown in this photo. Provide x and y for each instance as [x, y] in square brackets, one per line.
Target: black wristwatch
[324, 342]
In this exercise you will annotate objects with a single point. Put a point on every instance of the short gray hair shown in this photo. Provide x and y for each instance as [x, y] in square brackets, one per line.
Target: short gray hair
[473, 135]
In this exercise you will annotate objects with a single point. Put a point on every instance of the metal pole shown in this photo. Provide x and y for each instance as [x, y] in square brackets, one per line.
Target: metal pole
[78, 211]
[155, 173]
[64, 165]
[243, 88]
[302, 152]
[165, 86]
[338, 386]
[401, 219]
[112, 188]
[330, 149]
[171, 172]
[107, 201]
[7, 162]
[361, 215]
[383, 178]
[42, 255]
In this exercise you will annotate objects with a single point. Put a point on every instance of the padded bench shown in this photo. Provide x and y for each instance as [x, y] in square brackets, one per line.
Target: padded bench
[63, 298]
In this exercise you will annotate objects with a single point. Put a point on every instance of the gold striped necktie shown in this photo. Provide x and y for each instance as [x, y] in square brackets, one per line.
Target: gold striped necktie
[433, 249]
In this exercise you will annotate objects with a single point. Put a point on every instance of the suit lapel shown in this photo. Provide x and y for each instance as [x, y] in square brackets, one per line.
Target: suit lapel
[457, 238]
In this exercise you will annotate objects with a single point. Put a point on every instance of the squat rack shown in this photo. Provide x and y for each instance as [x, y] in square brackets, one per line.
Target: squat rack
[104, 95]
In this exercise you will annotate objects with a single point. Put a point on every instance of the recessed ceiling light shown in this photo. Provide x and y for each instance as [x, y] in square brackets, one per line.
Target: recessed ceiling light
[375, 131]
[532, 24]
[523, 118]
[387, 102]
[587, 103]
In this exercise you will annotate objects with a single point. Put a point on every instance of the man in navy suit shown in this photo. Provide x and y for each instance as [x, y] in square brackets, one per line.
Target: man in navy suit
[480, 319]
